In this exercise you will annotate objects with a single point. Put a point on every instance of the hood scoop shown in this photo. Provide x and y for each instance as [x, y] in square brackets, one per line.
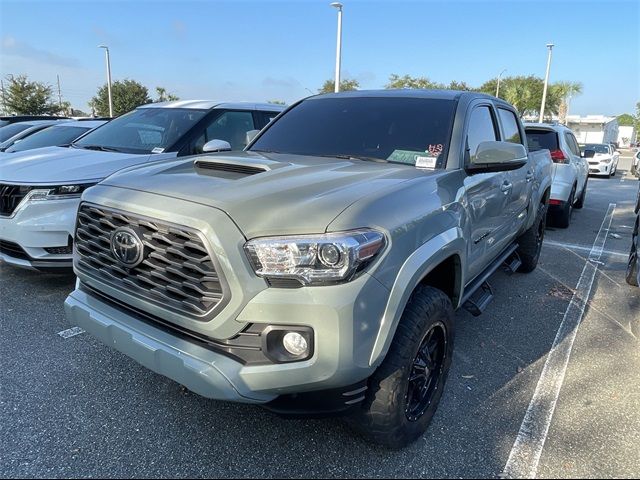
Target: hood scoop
[242, 168]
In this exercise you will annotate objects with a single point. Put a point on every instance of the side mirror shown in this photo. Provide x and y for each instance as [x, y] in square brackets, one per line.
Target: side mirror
[251, 134]
[216, 146]
[498, 156]
[589, 153]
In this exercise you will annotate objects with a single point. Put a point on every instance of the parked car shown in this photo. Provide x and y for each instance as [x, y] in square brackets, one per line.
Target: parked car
[319, 270]
[633, 266]
[35, 127]
[9, 119]
[17, 131]
[40, 189]
[604, 160]
[60, 134]
[570, 169]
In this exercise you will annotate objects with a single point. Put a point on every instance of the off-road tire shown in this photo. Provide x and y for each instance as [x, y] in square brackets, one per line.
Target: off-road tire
[580, 203]
[632, 266]
[530, 242]
[384, 416]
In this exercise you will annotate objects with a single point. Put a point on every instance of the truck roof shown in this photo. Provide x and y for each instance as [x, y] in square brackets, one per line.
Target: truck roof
[408, 93]
[210, 104]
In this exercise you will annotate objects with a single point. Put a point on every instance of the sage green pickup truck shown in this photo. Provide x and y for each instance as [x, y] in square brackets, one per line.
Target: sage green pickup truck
[318, 271]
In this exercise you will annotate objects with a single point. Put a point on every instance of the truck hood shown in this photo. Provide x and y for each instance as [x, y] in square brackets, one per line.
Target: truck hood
[279, 194]
[54, 165]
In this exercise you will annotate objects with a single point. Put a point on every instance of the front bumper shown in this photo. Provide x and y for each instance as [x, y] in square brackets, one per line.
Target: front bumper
[600, 168]
[36, 227]
[345, 318]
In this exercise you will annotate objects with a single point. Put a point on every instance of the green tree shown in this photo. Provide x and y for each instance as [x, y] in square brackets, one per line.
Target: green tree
[626, 120]
[127, 95]
[455, 85]
[407, 81]
[22, 97]
[164, 96]
[345, 85]
[562, 92]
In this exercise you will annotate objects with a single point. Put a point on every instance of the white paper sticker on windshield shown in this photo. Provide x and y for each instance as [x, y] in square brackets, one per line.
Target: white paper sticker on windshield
[426, 162]
[157, 150]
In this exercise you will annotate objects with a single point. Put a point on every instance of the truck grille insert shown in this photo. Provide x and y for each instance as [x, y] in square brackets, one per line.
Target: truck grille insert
[177, 271]
[11, 196]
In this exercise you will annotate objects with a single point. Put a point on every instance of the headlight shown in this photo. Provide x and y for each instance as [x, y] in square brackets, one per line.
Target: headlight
[606, 160]
[59, 192]
[315, 259]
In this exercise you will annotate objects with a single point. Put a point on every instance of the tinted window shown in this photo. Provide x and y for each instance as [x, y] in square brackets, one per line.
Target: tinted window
[394, 129]
[12, 129]
[541, 139]
[231, 127]
[481, 129]
[573, 145]
[49, 137]
[143, 130]
[509, 126]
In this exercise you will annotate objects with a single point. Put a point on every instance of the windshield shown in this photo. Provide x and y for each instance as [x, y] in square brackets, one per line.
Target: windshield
[145, 130]
[13, 129]
[597, 147]
[3, 123]
[399, 130]
[49, 137]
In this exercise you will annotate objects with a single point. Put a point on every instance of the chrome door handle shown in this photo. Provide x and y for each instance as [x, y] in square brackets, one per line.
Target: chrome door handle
[506, 187]
[529, 176]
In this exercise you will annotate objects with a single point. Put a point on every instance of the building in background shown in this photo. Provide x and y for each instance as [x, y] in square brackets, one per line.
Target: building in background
[626, 135]
[594, 128]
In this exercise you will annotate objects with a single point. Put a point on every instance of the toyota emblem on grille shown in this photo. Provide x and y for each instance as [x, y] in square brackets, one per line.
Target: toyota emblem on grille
[127, 247]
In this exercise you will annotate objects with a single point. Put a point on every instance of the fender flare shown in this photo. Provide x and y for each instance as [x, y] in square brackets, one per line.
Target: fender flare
[414, 269]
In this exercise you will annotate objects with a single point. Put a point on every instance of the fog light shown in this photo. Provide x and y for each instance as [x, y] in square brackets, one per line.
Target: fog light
[295, 344]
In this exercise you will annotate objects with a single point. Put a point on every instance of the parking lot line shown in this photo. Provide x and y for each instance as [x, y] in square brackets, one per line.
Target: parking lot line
[525, 454]
[71, 332]
[581, 248]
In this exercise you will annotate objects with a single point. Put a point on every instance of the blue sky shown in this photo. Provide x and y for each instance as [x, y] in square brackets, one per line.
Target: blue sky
[263, 50]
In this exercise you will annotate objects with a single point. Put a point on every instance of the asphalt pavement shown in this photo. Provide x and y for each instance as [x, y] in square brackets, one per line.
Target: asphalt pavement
[71, 407]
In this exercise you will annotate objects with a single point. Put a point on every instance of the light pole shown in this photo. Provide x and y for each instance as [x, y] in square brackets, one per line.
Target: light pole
[546, 83]
[498, 86]
[338, 5]
[106, 51]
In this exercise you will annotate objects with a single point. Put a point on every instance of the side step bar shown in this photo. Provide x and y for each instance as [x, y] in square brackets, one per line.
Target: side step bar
[478, 294]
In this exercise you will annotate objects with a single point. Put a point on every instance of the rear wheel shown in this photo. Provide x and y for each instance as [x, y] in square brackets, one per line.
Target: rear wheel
[530, 242]
[562, 216]
[405, 390]
[580, 203]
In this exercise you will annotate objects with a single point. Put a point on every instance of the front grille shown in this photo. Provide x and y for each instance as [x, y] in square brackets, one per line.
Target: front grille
[177, 272]
[13, 250]
[11, 196]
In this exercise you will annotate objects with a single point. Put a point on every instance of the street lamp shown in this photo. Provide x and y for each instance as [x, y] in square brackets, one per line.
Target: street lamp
[546, 82]
[499, 77]
[338, 5]
[106, 51]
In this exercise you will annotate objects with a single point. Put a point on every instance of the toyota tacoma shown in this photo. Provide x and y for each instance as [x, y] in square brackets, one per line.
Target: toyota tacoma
[318, 271]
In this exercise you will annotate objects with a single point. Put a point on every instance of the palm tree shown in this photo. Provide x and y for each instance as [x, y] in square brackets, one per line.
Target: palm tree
[565, 91]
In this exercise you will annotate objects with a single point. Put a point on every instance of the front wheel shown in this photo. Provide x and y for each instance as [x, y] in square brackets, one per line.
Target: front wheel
[580, 203]
[405, 390]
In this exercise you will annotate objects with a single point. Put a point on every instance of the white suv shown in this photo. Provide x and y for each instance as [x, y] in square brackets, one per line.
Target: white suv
[40, 189]
[570, 169]
[604, 160]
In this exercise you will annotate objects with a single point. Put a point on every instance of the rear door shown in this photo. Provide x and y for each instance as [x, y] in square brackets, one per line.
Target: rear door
[580, 163]
[520, 180]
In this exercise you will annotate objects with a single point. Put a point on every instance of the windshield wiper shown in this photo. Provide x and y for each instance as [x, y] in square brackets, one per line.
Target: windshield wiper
[355, 157]
[100, 148]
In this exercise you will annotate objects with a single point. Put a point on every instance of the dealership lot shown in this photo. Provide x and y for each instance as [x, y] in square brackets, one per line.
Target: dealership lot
[73, 407]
